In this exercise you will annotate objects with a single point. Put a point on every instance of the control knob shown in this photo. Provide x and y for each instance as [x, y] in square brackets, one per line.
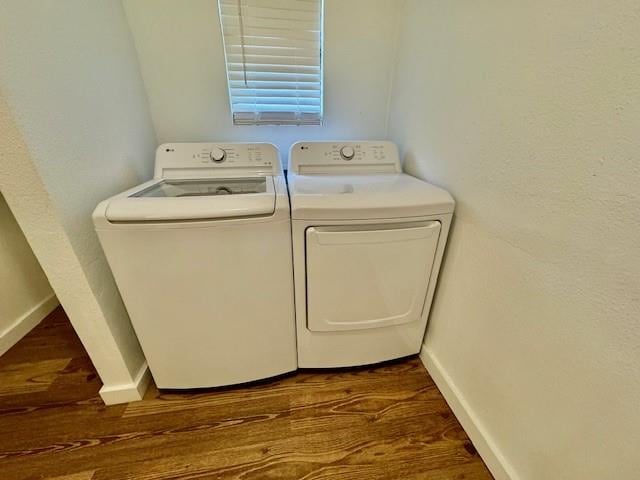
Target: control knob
[218, 155]
[347, 153]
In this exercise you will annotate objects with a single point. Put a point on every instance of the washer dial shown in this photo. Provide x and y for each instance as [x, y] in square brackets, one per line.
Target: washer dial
[218, 155]
[347, 152]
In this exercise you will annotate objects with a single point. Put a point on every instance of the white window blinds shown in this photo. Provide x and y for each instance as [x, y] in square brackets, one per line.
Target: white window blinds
[274, 60]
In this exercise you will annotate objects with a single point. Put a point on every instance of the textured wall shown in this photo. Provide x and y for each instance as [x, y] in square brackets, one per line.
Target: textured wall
[23, 285]
[81, 131]
[529, 113]
[182, 59]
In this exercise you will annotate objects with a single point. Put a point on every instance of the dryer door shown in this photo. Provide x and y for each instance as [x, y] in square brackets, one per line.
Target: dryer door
[368, 276]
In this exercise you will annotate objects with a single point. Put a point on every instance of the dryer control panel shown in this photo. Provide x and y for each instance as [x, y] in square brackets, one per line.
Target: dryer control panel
[184, 160]
[344, 157]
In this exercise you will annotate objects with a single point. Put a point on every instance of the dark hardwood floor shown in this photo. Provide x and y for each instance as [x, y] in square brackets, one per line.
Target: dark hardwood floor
[383, 422]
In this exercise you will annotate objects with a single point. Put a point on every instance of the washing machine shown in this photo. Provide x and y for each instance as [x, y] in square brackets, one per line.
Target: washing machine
[201, 255]
[368, 242]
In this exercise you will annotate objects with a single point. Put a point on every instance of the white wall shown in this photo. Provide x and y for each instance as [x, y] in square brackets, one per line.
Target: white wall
[181, 54]
[25, 295]
[76, 129]
[529, 113]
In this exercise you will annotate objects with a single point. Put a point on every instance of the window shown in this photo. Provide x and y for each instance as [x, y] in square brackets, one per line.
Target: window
[273, 50]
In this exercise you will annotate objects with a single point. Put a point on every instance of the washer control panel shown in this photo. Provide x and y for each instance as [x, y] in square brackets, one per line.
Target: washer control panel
[216, 159]
[344, 157]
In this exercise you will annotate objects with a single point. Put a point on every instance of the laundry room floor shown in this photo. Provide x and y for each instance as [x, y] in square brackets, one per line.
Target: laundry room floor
[383, 422]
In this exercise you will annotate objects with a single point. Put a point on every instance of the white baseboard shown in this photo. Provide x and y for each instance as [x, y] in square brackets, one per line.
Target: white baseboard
[483, 443]
[23, 325]
[128, 392]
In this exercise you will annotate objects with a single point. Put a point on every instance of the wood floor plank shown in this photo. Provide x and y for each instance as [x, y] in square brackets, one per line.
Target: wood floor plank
[88, 475]
[37, 376]
[380, 422]
[310, 455]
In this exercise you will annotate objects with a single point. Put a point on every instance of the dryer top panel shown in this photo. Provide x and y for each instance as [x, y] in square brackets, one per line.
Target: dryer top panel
[216, 160]
[344, 158]
[365, 196]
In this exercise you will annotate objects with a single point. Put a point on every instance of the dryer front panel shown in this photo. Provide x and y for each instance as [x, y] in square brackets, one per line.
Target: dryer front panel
[367, 276]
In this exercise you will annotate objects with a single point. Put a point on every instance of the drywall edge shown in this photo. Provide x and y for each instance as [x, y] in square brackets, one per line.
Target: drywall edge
[34, 211]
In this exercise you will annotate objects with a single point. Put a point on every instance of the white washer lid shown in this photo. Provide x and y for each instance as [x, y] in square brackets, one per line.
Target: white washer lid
[194, 199]
[365, 196]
